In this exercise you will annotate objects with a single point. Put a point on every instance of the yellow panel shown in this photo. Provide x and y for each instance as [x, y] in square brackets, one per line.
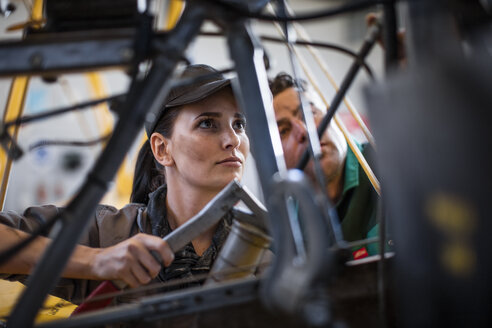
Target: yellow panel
[54, 307]
[124, 178]
[103, 115]
[174, 10]
[37, 10]
[14, 108]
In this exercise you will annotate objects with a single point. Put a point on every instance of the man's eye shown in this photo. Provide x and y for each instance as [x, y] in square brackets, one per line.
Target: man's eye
[284, 131]
[206, 124]
[316, 111]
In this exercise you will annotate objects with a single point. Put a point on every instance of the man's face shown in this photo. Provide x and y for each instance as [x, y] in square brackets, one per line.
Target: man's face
[294, 136]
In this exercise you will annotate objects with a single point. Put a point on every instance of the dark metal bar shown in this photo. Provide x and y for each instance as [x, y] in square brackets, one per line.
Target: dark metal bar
[168, 305]
[369, 42]
[382, 274]
[58, 52]
[145, 94]
[255, 101]
[390, 35]
[293, 278]
[52, 53]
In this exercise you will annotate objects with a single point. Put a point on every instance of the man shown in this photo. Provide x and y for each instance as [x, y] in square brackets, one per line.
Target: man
[346, 183]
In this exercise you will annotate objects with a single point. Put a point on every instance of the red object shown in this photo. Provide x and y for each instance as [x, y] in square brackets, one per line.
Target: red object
[104, 288]
[360, 253]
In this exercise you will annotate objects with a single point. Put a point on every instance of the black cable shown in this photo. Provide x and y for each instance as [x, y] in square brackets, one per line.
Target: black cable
[315, 44]
[331, 46]
[47, 114]
[346, 83]
[88, 143]
[352, 6]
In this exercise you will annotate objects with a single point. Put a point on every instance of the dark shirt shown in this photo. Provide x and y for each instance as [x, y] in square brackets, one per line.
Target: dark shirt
[187, 263]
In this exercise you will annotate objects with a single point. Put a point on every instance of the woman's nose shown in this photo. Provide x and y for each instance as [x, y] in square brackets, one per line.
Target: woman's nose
[231, 139]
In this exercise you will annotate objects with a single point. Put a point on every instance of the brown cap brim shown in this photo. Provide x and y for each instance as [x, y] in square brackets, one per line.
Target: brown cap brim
[208, 81]
[198, 94]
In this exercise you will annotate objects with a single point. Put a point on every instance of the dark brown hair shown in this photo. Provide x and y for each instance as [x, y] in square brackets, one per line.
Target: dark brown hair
[149, 174]
[284, 81]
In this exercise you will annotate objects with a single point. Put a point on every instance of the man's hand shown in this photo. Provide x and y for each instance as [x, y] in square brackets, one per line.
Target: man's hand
[131, 260]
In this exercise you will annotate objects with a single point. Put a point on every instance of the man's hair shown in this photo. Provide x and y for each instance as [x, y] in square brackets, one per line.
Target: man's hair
[284, 81]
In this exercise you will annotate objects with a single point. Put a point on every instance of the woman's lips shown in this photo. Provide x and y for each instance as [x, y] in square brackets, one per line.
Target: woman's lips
[231, 162]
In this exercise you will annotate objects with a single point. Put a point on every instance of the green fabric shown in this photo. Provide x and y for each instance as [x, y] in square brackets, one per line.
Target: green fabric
[357, 207]
[374, 247]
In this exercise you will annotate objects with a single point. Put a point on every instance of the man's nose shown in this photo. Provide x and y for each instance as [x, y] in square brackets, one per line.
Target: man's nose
[299, 131]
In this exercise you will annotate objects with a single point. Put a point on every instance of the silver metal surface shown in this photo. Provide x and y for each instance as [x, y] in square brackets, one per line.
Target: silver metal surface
[241, 254]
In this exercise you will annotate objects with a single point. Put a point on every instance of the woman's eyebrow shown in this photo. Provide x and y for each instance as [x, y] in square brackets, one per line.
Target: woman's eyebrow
[239, 115]
[213, 114]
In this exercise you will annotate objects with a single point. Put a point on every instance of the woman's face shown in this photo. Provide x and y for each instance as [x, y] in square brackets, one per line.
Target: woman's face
[208, 146]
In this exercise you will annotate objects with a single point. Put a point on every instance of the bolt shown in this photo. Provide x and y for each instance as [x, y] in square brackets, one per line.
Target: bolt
[36, 60]
[127, 54]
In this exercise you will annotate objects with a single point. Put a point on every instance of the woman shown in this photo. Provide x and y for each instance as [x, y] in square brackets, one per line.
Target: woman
[196, 146]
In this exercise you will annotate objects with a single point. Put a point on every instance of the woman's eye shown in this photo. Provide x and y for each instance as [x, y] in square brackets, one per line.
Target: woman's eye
[206, 124]
[240, 125]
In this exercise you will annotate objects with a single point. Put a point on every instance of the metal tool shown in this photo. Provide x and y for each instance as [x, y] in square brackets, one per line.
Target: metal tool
[208, 216]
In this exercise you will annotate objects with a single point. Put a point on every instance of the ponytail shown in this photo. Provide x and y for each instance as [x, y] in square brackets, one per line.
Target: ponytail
[149, 175]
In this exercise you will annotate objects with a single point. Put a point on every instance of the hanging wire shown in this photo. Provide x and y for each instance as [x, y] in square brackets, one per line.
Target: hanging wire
[345, 8]
[47, 114]
[72, 143]
[69, 92]
[317, 44]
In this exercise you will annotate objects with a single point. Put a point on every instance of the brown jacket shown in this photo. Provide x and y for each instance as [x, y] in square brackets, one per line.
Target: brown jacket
[110, 226]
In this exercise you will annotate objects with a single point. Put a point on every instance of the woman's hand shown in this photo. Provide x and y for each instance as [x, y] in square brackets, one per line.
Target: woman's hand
[131, 260]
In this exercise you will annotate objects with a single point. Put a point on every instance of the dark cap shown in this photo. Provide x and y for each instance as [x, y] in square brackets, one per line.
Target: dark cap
[198, 89]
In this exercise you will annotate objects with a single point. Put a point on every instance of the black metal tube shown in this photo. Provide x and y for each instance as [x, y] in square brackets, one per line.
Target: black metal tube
[143, 95]
[256, 103]
[266, 145]
[390, 35]
[369, 42]
[47, 114]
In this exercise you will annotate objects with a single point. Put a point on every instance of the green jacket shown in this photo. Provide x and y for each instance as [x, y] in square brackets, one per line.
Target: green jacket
[358, 205]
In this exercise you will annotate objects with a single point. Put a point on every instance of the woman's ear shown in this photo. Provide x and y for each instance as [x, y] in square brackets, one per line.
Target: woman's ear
[161, 147]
